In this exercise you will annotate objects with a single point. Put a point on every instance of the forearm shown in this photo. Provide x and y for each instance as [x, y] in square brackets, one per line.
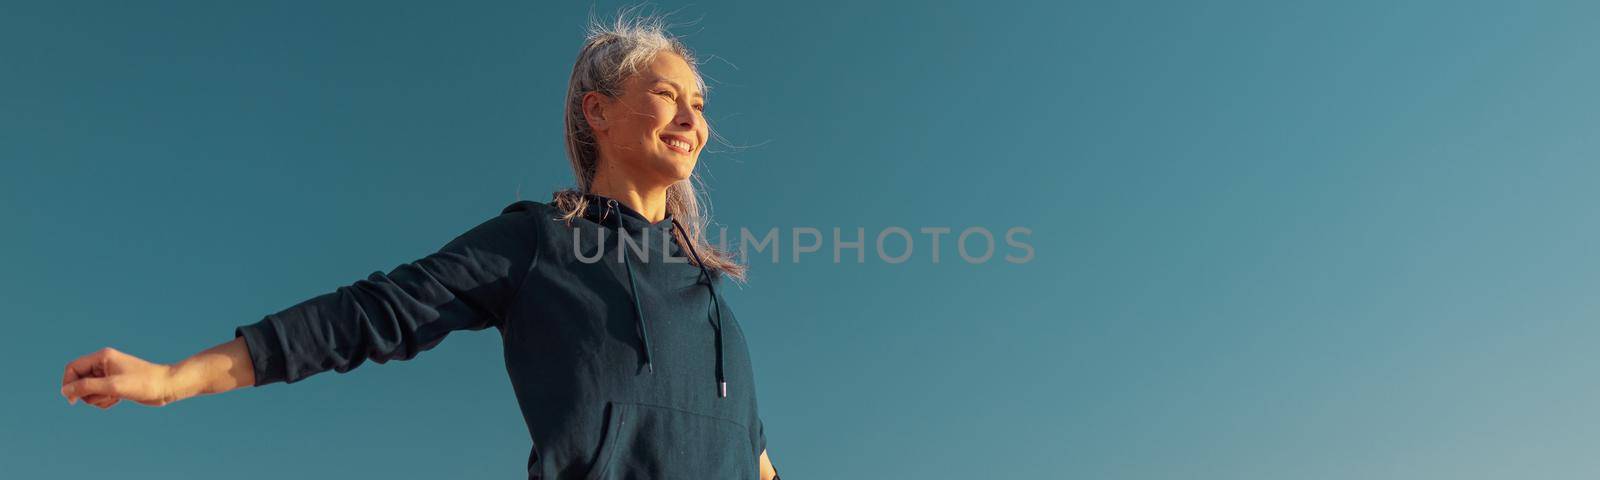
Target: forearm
[217, 369]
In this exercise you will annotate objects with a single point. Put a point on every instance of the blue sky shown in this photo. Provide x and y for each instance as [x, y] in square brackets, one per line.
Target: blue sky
[1273, 239]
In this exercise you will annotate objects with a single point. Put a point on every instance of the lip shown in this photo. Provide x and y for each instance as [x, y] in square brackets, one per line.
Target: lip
[665, 141]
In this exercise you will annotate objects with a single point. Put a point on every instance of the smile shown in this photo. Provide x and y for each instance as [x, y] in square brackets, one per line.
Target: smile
[677, 143]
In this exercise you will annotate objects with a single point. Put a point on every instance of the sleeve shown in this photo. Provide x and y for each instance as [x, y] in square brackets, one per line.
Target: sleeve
[465, 285]
[761, 436]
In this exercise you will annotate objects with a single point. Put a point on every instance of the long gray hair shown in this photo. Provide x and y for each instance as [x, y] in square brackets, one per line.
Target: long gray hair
[611, 54]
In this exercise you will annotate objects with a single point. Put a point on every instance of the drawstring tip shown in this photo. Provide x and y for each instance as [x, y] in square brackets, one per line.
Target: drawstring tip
[724, 387]
[650, 366]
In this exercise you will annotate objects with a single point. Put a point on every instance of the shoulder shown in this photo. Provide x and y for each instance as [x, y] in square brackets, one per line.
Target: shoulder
[518, 226]
[538, 213]
[538, 219]
[528, 206]
[528, 215]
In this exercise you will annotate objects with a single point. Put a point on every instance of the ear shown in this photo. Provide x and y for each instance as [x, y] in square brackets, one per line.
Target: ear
[594, 107]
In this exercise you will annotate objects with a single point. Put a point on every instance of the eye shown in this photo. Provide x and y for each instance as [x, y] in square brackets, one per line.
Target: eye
[668, 94]
[700, 107]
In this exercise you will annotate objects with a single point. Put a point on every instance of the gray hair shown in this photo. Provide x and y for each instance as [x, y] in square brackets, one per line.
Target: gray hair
[611, 54]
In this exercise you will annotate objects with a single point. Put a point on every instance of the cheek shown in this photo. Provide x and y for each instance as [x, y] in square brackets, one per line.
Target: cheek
[649, 121]
[641, 129]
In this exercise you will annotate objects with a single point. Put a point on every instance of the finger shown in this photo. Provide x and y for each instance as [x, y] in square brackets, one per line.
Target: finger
[81, 367]
[83, 390]
[84, 366]
[89, 386]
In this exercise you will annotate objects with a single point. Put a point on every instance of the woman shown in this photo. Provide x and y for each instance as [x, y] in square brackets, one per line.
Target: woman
[625, 360]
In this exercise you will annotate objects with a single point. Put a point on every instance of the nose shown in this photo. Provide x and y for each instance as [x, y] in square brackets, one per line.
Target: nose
[686, 116]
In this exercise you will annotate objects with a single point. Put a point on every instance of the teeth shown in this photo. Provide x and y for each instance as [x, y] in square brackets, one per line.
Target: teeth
[679, 143]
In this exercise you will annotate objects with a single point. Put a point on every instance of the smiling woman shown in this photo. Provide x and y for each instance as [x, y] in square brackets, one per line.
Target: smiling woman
[639, 89]
[622, 368]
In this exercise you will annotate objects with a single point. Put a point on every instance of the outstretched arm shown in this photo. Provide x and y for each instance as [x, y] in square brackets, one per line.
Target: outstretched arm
[108, 376]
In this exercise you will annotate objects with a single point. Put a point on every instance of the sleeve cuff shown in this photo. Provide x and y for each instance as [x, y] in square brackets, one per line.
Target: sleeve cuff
[266, 357]
[761, 437]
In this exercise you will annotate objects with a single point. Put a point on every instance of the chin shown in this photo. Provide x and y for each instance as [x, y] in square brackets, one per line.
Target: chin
[682, 175]
[677, 169]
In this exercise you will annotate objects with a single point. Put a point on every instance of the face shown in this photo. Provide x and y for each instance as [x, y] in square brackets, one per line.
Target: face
[654, 130]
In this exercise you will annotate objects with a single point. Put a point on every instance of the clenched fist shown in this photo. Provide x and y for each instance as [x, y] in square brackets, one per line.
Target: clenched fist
[107, 376]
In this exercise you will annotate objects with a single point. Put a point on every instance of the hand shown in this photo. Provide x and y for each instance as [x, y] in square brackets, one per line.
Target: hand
[107, 376]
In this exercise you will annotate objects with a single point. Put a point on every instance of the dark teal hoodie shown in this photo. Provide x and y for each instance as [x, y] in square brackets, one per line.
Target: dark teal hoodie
[625, 366]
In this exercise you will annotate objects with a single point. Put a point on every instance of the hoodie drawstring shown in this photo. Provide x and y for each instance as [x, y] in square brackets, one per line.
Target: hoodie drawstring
[633, 289]
[722, 382]
[638, 312]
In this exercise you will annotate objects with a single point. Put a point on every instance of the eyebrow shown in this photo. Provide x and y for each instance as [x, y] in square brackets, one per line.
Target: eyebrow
[679, 87]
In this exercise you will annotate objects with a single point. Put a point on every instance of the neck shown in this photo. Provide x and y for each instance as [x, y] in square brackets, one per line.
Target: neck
[649, 200]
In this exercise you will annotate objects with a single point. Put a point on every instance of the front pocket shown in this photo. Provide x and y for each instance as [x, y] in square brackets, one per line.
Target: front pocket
[655, 442]
[616, 417]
